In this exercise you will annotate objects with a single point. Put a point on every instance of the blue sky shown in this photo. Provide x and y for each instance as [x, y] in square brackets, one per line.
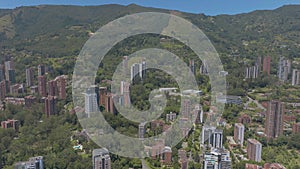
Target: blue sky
[209, 7]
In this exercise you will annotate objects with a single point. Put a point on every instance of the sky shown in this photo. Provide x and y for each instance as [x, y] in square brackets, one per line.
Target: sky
[208, 7]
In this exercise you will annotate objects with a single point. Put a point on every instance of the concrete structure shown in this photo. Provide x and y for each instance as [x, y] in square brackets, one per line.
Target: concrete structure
[267, 65]
[29, 101]
[34, 89]
[61, 86]
[252, 72]
[142, 130]
[90, 102]
[212, 137]
[171, 117]
[274, 119]
[29, 77]
[296, 77]
[239, 130]
[109, 103]
[102, 95]
[183, 160]
[2, 90]
[42, 86]
[52, 88]
[17, 89]
[10, 124]
[2, 72]
[33, 163]
[41, 70]
[218, 138]
[254, 149]
[218, 158]
[125, 93]
[166, 157]
[138, 69]
[12, 76]
[9, 69]
[198, 114]
[101, 159]
[50, 106]
[186, 109]
[284, 68]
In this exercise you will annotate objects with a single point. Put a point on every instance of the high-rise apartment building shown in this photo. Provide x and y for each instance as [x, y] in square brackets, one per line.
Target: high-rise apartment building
[212, 136]
[2, 90]
[109, 103]
[254, 149]
[274, 119]
[50, 105]
[2, 72]
[296, 77]
[42, 85]
[239, 133]
[101, 159]
[9, 65]
[61, 86]
[138, 69]
[142, 130]
[41, 70]
[91, 104]
[267, 65]
[12, 76]
[218, 158]
[125, 93]
[284, 68]
[52, 88]
[29, 77]
[252, 72]
[218, 138]
[102, 95]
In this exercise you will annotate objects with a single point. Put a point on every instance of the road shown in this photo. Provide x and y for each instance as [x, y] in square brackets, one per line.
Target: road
[144, 164]
[255, 101]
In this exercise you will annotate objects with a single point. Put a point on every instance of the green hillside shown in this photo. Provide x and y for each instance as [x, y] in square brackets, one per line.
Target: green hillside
[62, 30]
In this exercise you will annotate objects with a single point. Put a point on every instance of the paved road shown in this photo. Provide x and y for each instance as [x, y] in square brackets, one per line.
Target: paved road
[144, 164]
[255, 101]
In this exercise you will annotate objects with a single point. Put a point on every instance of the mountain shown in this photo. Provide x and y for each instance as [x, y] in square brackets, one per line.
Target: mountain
[56, 31]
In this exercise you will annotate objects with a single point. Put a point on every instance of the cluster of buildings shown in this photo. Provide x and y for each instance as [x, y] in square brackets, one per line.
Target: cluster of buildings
[8, 78]
[99, 96]
[215, 156]
[273, 128]
[252, 72]
[160, 151]
[47, 92]
[283, 71]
